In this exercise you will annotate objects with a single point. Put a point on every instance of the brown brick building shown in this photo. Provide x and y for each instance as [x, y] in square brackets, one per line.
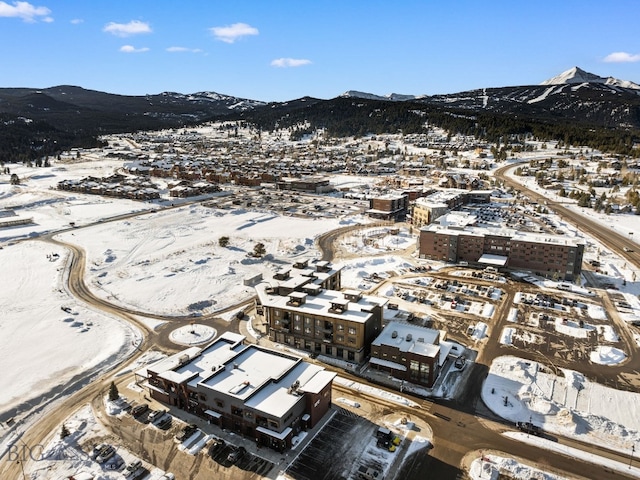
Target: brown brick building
[388, 207]
[546, 255]
[307, 311]
[409, 352]
[263, 394]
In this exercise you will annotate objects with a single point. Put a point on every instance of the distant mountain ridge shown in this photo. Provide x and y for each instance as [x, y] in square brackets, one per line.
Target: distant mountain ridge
[43, 121]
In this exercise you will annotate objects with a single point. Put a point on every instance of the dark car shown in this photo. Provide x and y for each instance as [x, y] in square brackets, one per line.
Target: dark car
[216, 446]
[186, 432]
[106, 453]
[139, 409]
[164, 422]
[236, 454]
[528, 427]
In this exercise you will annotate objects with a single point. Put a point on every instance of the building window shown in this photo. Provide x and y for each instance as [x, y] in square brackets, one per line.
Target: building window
[352, 340]
[340, 338]
[340, 327]
[219, 403]
[328, 350]
[352, 330]
[236, 411]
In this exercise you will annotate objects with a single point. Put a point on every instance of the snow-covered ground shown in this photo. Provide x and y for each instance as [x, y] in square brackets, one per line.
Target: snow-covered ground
[171, 263]
[48, 338]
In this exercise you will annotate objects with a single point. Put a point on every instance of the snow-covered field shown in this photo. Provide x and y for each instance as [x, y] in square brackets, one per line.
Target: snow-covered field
[171, 263]
[48, 338]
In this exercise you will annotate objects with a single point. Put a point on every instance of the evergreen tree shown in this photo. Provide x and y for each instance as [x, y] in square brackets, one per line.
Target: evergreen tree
[259, 250]
[113, 392]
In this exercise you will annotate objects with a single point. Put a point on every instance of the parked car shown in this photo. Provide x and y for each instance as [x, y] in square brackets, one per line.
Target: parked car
[529, 427]
[132, 468]
[114, 463]
[164, 422]
[368, 473]
[155, 415]
[97, 449]
[216, 446]
[139, 409]
[186, 432]
[106, 453]
[236, 454]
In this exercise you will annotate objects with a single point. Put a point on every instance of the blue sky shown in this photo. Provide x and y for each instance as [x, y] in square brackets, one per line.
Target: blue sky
[281, 50]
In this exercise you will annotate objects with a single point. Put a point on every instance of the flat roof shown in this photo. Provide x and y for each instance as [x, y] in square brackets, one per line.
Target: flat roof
[247, 372]
[513, 234]
[265, 380]
[320, 304]
[278, 398]
[410, 338]
[491, 259]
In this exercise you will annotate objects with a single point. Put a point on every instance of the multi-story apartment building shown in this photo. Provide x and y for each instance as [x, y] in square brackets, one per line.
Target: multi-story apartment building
[409, 352]
[427, 210]
[263, 394]
[306, 184]
[305, 313]
[388, 207]
[548, 255]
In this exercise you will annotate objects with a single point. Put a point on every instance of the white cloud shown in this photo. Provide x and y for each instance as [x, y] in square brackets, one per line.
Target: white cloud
[231, 33]
[290, 62]
[183, 49]
[77, 21]
[25, 11]
[132, 49]
[134, 27]
[622, 57]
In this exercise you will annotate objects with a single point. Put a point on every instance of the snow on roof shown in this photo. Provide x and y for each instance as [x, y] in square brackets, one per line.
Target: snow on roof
[321, 303]
[440, 197]
[491, 259]
[278, 398]
[171, 362]
[387, 363]
[318, 381]
[193, 361]
[410, 338]
[513, 234]
[248, 371]
[279, 435]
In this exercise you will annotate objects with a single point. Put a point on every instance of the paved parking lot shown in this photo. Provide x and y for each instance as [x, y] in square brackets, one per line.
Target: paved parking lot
[334, 450]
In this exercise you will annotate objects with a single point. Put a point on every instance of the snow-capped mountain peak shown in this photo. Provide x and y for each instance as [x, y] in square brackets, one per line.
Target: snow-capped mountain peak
[577, 75]
[396, 97]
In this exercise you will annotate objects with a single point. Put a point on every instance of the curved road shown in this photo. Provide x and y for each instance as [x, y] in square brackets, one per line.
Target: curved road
[456, 432]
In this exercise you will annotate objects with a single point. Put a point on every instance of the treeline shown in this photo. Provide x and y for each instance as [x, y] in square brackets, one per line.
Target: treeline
[25, 140]
[342, 117]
